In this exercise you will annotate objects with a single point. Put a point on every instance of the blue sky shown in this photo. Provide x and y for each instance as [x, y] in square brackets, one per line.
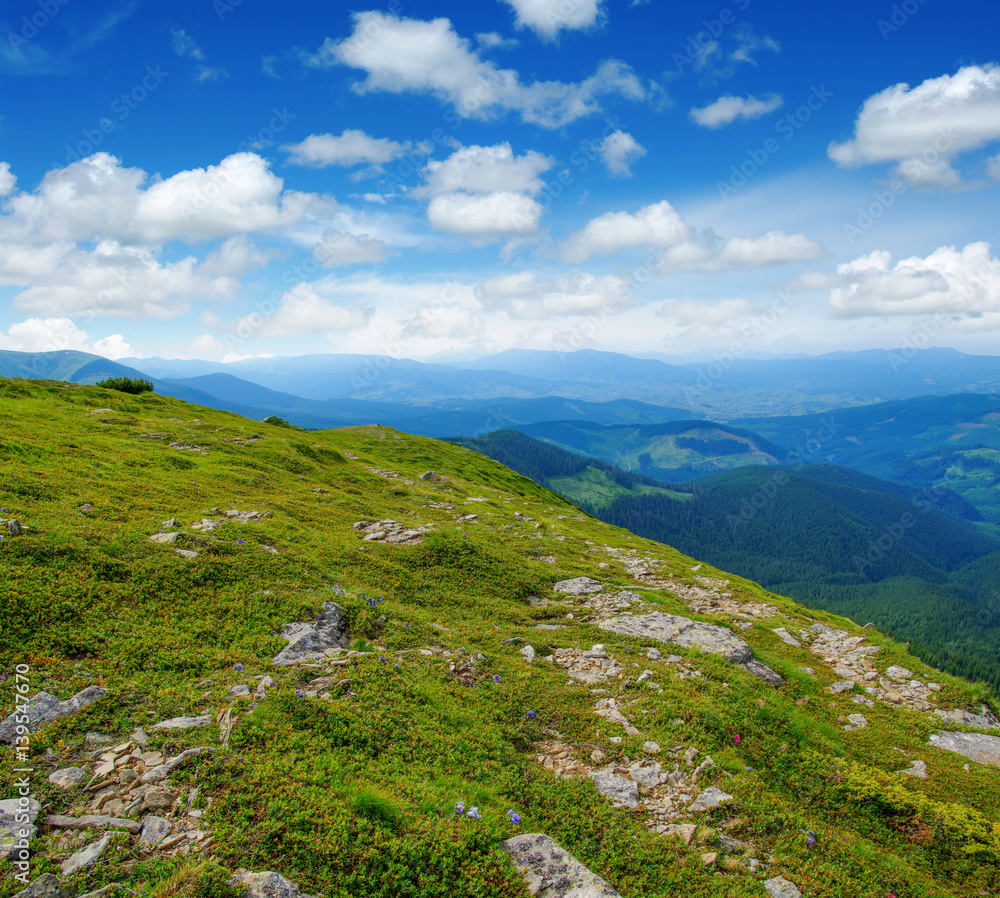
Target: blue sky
[228, 178]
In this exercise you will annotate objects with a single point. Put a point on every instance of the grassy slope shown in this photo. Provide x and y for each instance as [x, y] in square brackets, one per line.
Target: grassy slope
[87, 597]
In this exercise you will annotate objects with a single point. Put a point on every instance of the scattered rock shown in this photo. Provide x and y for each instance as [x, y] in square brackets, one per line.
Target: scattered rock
[684, 831]
[308, 640]
[899, 673]
[552, 872]
[787, 637]
[113, 890]
[975, 746]
[779, 887]
[165, 539]
[68, 777]
[624, 793]
[856, 722]
[710, 798]
[95, 821]
[86, 857]
[651, 748]
[43, 708]
[266, 885]
[16, 816]
[709, 858]
[154, 830]
[917, 769]
[578, 586]
[182, 723]
[528, 653]
[685, 632]
[46, 886]
[14, 527]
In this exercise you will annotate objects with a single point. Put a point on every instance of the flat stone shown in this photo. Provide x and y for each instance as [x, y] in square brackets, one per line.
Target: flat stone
[154, 830]
[68, 777]
[552, 872]
[309, 639]
[43, 708]
[17, 826]
[266, 885]
[684, 831]
[710, 798]
[528, 653]
[613, 715]
[578, 586]
[96, 821]
[165, 539]
[984, 720]
[899, 673]
[976, 747]
[687, 633]
[113, 890]
[779, 887]
[917, 769]
[46, 886]
[651, 748]
[182, 723]
[86, 857]
[856, 722]
[623, 792]
[646, 775]
[787, 637]
[840, 686]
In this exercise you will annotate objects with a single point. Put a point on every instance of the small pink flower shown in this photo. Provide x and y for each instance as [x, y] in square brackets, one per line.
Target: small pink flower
[736, 739]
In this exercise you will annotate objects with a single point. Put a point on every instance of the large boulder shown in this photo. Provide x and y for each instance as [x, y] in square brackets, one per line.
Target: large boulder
[43, 708]
[984, 720]
[552, 872]
[579, 586]
[310, 639]
[976, 747]
[688, 633]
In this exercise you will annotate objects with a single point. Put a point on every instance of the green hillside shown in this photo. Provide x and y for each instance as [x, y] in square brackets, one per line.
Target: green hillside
[161, 547]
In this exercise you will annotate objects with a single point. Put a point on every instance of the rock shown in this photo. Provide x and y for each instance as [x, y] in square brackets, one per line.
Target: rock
[552, 872]
[840, 686]
[165, 539]
[154, 830]
[984, 720]
[975, 746]
[651, 748]
[114, 890]
[710, 798]
[43, 708]
[684, 831]
[86, 857]
[266, 885]
[182, 723]
[528, 653]
[14, 527]
[709, 858]
[779, 887]
[240, 691]
[17, 826]
[159, 799]
[787, 637]
[654, 654]
[646, 775]
[615, 716]
[309, 639]
[856, 722]
[624, 793]
[186, 553]
[917, 769]
[685, 632]
[899, 673]
[46, 886]
[68, 777]
[97, 821]
[429, 475]
[598, 756]
[578, 586]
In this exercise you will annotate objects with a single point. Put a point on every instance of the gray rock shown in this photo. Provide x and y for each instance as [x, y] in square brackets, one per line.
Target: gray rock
[917, 769]
[266, 885]
[528, 653]
[14, 527]
[840, 686]
[975, 746]
[684, 831]
[17, 826]
[710, 798]
[114, 890]
[68, 777]
[646, 775]
[651, 748]
[165, 539]
[578, 586]
[429, 475]
[685, 632]
[899, 673]
[86, 857]
[309, 639]
[552, 872]
[97, 821]
[984, 720]
[779, 887]
[43, 708]
[154, 830]
[14, 811]
[856, 722]
[182, 723]
[624, 793]
[46, 886]
[787, 637]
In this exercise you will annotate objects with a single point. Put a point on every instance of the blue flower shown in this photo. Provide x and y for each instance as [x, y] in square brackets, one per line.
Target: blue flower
[300, 693]
[812, 838]
[474, 814]
[496, 678]
[237, 667]
[514, 817]
[530, 715]
[459, 807]
[240, 542]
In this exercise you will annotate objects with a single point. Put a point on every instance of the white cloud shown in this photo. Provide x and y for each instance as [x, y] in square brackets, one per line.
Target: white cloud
[477, 169]
[962, 283]
[727, 109]
[993, 167]
[56, 334]
[618, 151]
[184, 44]
[679, 247]
[304, 311]
[523, 295]
[925, 128]
[410, 55]
[443, 321]
[210, 73]
[234, 257]
[7, 179]
[338, 248]
[492, 40]
[353, 147]
[548, 17]
[484, 218]
[269, 66]
[709, 57]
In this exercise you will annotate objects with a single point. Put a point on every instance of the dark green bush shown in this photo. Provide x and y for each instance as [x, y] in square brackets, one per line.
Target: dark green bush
[126, 385]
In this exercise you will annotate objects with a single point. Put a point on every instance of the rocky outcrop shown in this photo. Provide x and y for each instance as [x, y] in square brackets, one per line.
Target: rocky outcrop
[578, 586]
[309, 640]
[976, 747]
[266, 885]
[984, 720]
[552, 872]
[43, 708]
[683, 631]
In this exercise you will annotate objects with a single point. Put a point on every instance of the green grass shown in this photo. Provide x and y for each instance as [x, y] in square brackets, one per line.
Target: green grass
[355, 795]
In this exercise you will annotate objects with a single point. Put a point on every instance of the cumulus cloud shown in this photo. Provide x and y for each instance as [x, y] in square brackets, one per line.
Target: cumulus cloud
[7, 179]
[302, 310]
[443, 321]
[964, 283]
[57, 334]
[993, 167]
[477, 169]
[353, 147]
[184, 44]
[409, 55]
[548, 17]
[727, 109]
[484, 218]
[710, 58]
[337, 248]
[679, 247]
[618, 151]
[925, 128]
[524, 295]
